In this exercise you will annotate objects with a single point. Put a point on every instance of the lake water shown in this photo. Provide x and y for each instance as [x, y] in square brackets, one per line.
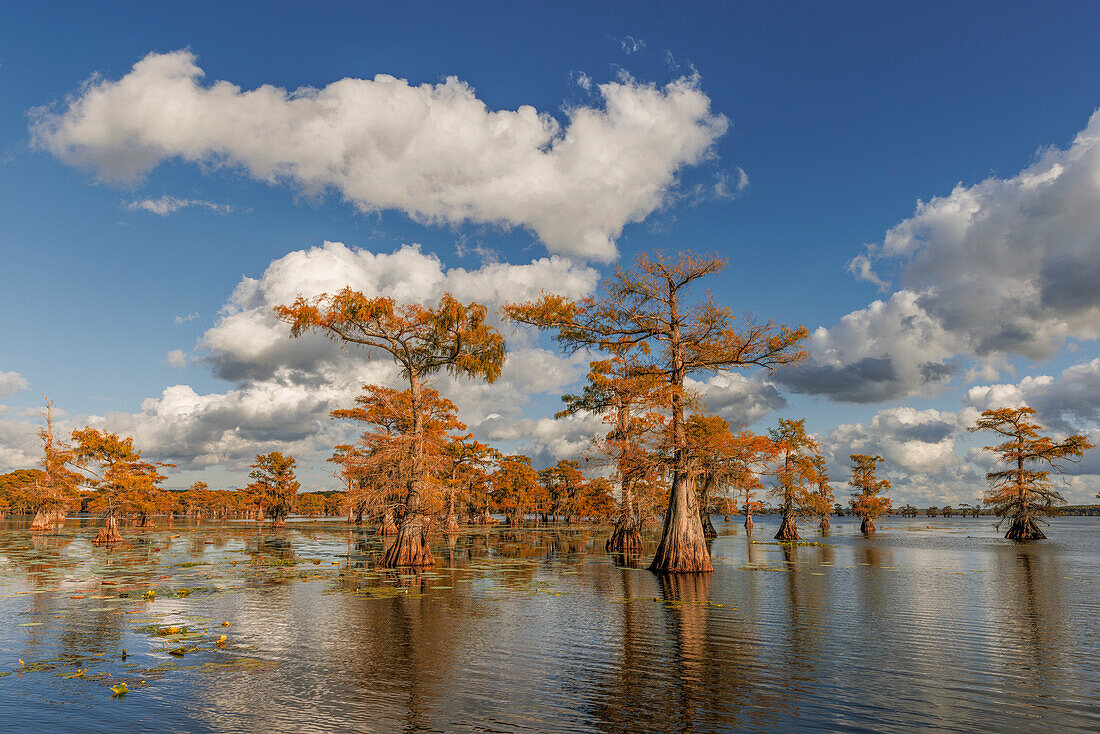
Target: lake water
[934, 625]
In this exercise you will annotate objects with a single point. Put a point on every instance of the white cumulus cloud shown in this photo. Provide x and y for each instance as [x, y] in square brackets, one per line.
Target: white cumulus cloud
[433, 151]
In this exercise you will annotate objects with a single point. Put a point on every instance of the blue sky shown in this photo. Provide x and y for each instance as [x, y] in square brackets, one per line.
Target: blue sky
[841, 119]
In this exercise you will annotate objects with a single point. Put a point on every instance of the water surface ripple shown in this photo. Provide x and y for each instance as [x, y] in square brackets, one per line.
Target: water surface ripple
[931, 625]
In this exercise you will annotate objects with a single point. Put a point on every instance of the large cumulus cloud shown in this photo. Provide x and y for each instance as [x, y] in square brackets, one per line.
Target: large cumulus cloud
[433, 151]
[1005, 267]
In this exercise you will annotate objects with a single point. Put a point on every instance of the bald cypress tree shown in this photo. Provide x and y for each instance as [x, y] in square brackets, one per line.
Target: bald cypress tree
[1022, 493]
[647, 310]
[452, 337]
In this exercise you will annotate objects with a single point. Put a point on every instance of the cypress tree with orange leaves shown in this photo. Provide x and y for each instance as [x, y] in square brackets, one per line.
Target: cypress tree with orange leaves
[52, 493]
[1022, 494]
[796, 474]
[274, 485]
[453, 337]
[823, 498]
[125, 484]
[627, 396]
[388, 449]
[646, 311]
[867, 502]
[517, 489]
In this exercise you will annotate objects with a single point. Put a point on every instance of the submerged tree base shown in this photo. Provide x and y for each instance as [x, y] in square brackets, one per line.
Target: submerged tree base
[388, 526]
[410, 548]
[788, 530]
[1024, 527]
[748, 524]
[685, 556]
[708, 527]
[450, 525]
[867, 527]
[825, 525]
[108, 533]
[625, 538]
[42, 521]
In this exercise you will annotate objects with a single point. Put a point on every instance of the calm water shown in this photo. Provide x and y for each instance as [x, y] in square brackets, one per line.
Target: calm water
[932, 625]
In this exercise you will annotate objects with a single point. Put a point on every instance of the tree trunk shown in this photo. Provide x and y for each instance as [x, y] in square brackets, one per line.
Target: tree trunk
[388, 527]
[683, 547]
[108, 533]
[1024, 527]
[410, 548]
[825, 524]
[748, 522]
[625, 538]
[788, 530]
[708, 526]
[867, 527]
[704, 508]
[450, 525]
[146, 522]
[42, 521]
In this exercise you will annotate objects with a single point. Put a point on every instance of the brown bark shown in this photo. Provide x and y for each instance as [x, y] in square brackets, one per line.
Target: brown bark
[683, 548]
[388, 527]
[147, 522]
[625, 538]
[825, 525]
[450, 525]
[867, 527]
[1024, 527]
[42, 521]
[788, 530]
[108, 533]
[748, 523]
[410, 547]
[704, 508]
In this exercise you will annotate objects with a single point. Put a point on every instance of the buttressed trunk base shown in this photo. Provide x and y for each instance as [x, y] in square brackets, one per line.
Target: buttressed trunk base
[788, 530]
[708, 526]
[108, 533]
[867, 526]
[41, 521]
[1024, 527]
[625, 538]
[683, 548]
[410, 549]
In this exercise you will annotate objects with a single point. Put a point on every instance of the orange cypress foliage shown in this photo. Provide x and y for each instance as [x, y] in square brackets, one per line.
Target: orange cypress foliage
[867, 502]
[1021, 494]
[390, 450]
[454, 337]
[628, 396]
[470, 461]
[796, 474]
[274, 486]
[516, 489]
[722, 461]
[645, 309]
[124, 483]
[51, 494]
